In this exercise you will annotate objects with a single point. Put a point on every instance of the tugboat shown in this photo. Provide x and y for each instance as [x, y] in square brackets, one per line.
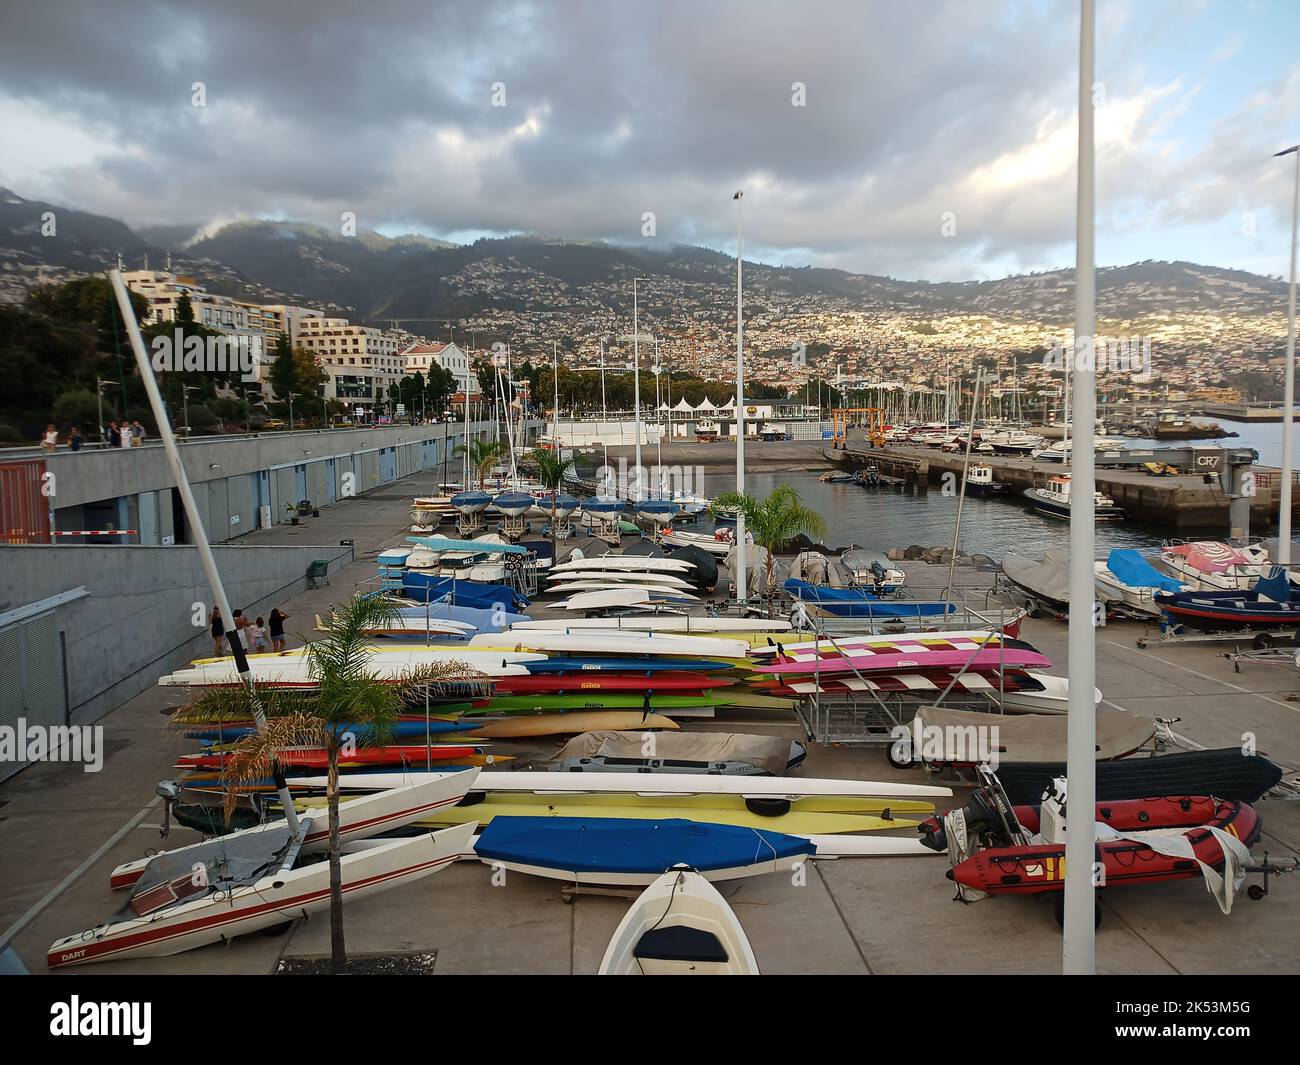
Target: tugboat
[980, 482]
[1053, 499]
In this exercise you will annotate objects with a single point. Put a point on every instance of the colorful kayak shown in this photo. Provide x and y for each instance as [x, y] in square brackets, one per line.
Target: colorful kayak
[317, 758]
[581, 664]
[397, 730]
[611, 682]
[548, 703]
[525, 725]
[993, 658]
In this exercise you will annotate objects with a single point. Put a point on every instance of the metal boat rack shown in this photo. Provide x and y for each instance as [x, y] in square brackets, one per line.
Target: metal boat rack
[875, 718]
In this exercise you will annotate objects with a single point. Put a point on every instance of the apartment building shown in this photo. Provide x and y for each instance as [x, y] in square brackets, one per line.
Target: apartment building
[359, 362]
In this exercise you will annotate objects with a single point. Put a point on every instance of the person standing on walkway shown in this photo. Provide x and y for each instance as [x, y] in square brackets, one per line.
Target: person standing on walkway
[256, 636]
[50, 441]
[277, 629]
[241, 623]
[74, 438]
[125, 439]
[137, 434]
[218, 629]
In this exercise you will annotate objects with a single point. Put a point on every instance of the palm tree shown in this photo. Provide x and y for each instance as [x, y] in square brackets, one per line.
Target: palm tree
[347, 694]
[483, 455]
[773, 522]
[552, 470]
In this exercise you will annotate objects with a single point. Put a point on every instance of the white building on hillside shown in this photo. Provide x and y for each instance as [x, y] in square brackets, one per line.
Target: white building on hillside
[417, 358]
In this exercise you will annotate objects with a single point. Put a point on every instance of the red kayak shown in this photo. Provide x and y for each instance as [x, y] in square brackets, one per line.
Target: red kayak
[668, 681]
[1033, 869]
[316, 758]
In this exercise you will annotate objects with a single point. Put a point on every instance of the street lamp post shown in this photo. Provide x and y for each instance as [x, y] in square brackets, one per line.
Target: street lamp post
[1079, 942]
[740, 411]
[1288, 411]
[291, 397]
[185, 405]
[636, 381]
[100, 382]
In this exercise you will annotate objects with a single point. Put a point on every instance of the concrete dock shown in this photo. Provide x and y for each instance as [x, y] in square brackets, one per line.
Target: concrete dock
[62, 830]
[1175, 502]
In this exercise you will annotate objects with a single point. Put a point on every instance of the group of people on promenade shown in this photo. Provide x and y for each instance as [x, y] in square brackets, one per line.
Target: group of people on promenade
[253, 635]
[128, 434]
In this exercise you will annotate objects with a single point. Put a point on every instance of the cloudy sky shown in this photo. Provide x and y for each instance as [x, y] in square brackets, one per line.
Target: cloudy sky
[576, 118]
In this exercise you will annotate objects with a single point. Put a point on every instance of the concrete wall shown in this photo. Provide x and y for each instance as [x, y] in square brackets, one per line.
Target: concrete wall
[138, 621]
[233, 478]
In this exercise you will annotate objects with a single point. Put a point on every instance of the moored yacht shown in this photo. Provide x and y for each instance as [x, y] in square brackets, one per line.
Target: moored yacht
[1053, 498]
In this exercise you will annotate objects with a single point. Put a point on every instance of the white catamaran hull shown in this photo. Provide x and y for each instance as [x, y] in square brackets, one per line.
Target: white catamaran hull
[274, 899]
[399, 804]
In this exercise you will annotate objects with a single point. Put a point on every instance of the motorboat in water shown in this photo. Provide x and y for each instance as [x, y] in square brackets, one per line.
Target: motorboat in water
[1053, 499]
[980, 482]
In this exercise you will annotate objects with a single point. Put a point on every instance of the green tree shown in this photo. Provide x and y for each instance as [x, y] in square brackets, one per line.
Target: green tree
[483, 455]
[347, 700]
[283, 372]
[79, 407]
[553, 470]
[773, 522]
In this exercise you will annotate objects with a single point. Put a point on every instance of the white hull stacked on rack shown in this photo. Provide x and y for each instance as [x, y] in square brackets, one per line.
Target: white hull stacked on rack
[292, 669]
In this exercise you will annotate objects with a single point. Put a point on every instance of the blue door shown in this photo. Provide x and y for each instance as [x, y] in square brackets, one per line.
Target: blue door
[331, 482]
[388, 465]
[300, 482]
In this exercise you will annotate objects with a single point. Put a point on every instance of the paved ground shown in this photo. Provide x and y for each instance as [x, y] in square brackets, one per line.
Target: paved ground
[62, 830]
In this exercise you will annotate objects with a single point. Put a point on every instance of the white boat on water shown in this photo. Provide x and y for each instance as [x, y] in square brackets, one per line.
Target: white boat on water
[1053, 499]
[679, 926]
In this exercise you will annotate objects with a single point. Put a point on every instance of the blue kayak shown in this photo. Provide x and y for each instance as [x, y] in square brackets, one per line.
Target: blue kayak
[398, 730]
[623, 665]
[617, 845]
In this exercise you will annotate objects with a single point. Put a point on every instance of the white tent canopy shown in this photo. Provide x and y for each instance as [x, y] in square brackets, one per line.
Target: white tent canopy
[705, 404]
[683, 406]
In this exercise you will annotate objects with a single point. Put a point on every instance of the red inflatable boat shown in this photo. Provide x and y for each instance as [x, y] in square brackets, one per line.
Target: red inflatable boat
[1006, 866]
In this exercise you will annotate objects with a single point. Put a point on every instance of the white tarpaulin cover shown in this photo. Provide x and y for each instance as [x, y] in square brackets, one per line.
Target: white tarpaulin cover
[769, 753]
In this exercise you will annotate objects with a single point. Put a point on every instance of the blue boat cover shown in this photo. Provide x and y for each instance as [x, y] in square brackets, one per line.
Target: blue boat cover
[626, 845]
[1275, 587]
[423, 587]
[1135, 571]
[856, 603]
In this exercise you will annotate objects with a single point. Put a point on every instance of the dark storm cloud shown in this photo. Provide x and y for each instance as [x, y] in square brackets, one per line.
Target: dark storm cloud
[612, 109]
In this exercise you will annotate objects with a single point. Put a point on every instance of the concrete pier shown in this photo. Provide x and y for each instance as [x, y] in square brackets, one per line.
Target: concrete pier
[1180, 502]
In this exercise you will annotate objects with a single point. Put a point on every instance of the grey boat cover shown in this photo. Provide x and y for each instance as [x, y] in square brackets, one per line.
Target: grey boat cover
[755, 568]
[1049, 578]
[816, 568]
[1041, 737]
[859, 559]
[769, 753]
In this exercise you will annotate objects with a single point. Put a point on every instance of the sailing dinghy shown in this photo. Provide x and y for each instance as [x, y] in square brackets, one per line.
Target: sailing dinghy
[680, 926]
